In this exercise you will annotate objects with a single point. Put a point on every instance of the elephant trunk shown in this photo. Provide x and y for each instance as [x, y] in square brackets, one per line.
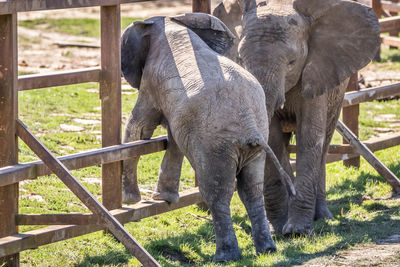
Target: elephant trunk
[273, 82]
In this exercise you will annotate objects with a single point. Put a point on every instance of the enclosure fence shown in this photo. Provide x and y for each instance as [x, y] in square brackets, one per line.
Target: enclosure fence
[65, 226]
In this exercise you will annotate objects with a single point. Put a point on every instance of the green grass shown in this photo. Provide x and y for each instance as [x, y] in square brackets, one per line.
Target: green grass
[357, 198]
[76, 26]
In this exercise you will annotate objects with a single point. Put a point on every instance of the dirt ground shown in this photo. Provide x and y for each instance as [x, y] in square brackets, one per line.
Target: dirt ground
[39, 53]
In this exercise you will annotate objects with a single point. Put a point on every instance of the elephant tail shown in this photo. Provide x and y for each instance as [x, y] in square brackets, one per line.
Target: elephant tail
[271, 156]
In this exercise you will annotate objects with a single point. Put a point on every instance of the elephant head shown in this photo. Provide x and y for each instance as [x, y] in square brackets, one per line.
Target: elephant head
[316, 43]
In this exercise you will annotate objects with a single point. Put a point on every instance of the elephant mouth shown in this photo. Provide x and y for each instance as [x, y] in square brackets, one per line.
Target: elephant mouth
[288, 126]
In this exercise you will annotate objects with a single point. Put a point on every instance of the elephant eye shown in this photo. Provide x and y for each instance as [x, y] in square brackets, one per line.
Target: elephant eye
[292, 62]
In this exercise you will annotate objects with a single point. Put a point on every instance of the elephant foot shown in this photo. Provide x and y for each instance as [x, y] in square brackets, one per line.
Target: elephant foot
[322, 211]
[265, 246]
[131, 195]
[278, 223]
[171, 197]
[227, 254]
[300, 227]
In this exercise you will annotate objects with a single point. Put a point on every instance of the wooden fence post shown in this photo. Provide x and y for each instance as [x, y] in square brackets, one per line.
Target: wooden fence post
[110, 94]
[394, 33]
[377, 7]
[8, 116]
[201, 6]
[350, 118]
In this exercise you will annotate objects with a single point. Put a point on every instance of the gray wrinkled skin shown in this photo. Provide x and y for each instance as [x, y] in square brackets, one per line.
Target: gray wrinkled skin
[215, 114]
[302, 52]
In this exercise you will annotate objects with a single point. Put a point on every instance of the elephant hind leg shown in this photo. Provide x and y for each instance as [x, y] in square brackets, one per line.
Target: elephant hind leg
[275, 193]
[170, 172]
[250, 189]
[216, 177]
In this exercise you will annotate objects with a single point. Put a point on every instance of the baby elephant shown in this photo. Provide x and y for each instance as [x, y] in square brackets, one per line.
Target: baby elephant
[215, 115]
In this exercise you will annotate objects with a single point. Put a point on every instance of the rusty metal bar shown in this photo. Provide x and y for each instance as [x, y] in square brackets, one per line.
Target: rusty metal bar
[32, 170]
[85, 196]
[36, 81]
[369, 156]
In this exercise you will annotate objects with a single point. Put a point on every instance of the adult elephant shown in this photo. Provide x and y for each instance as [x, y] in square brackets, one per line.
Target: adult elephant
[303, 53]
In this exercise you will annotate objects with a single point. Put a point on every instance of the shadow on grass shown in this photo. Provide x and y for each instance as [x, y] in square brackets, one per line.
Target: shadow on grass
[350, 232]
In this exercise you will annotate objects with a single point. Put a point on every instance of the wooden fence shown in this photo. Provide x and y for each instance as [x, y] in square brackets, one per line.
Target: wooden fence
[65, 226]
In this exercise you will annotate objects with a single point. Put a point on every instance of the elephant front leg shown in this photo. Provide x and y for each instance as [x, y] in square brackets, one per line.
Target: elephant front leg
[140, 125]
[250, 189]
[275, 193]
[310, 140]
[170, 172]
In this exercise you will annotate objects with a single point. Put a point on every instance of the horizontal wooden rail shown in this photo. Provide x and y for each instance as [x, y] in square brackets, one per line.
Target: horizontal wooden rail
[33, 239]
[391, 41]
[346, 152]
[9, 7]
[386, 5]
[374, 144]
[389, 24]
[375, 93]
[36, 81]
[31, 170]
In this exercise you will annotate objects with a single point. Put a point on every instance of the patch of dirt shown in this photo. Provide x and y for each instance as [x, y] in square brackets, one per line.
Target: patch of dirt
[34, 197]
[384, 253]
[38, 52]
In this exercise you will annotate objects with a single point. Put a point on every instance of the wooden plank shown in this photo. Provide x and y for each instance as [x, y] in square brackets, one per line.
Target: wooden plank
[369, 156]
[354, 98]
[37, 5]
[33, 239]
[32, 170]
[58, 219]
[374, 144]
[377, 7]
[124, 215]
[8, 115]
[110, 94]
[385, 5]
[203, 6]
[350, 119]
[85, 196]
[389, 24]
[35, 81]
[393, 42]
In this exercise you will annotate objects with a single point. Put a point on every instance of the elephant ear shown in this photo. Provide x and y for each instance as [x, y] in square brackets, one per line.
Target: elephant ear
[135, 44]
[209, 28]
[230, 13]
[344, 38]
